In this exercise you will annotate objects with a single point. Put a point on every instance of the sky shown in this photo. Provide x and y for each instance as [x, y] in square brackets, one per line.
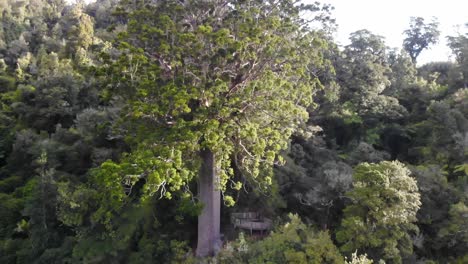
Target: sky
[389, 18]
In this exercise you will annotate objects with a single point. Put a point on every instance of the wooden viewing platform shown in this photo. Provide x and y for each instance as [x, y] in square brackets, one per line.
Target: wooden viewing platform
[251, 221]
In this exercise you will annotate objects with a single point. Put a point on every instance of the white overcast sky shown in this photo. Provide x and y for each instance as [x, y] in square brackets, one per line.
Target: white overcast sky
[389, 18]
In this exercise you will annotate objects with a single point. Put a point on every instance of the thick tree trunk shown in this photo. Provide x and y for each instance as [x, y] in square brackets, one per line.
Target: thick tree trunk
[209, 241]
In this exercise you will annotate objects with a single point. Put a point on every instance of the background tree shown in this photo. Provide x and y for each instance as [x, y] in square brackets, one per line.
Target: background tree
[454, 230]
[420, 36]
[383, 208]
[77, 27]
[314, 181]
[365, 76]
[361, 103]
[459, 46]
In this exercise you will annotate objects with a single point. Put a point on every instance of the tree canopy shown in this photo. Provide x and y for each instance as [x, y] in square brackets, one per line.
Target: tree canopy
[420, 36]
[385, 201]
[134, 132]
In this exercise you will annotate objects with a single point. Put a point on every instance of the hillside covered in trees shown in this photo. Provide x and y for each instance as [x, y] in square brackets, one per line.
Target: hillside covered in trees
[134, 132]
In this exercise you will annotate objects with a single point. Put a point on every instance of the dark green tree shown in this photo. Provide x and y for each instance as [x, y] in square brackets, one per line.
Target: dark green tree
[365, 77]
[383, 208]
[78, 29]
[459, 46]
[454, 234]
[420, 36]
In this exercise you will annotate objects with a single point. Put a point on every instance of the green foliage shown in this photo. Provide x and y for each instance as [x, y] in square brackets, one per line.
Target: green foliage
[419, 36]
[462, 168]
[349, 114]
[162, 80]
[10, 208]
[459, 46]
[293, 242]
[313, 181]
[9, 184]
[78, 29]
[138, 233]
[7, 83]
[240, 105]
[73, 204]
[361, 259]
[454, 232]
[385, 201]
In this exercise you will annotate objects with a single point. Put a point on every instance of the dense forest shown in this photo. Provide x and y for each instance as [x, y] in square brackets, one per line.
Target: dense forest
[136, 131]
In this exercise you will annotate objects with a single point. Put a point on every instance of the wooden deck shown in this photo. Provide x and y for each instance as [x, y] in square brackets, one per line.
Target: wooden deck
[251, 221]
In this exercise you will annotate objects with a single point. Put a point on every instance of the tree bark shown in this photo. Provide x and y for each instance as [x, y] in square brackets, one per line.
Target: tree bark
[209, 240]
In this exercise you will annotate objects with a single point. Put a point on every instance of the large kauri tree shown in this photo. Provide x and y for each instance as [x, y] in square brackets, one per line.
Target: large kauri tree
[211, 87]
